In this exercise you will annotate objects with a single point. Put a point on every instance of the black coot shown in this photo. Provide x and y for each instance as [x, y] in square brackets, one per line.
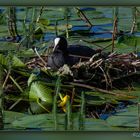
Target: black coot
[66, 54]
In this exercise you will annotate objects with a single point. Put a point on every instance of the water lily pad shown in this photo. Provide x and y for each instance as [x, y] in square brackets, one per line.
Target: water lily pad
[41, 96]
[129, 118]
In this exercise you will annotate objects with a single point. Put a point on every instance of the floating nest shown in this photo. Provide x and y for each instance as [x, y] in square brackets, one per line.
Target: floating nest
[103, 71]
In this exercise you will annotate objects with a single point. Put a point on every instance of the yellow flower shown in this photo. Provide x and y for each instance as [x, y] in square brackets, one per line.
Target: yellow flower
[63, 102]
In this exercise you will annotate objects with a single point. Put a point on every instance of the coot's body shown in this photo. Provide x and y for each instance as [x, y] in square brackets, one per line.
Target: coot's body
[80, 50]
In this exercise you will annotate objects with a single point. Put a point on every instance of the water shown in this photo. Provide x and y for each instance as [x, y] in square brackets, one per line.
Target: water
[101, 30]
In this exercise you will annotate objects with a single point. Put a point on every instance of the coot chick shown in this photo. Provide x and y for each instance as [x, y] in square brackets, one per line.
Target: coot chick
[63, 53]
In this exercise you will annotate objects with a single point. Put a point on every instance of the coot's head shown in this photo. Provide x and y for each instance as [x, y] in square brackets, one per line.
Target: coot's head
[60, 43]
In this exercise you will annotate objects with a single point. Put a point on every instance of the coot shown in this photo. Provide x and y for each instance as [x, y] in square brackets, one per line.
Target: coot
[63, 53]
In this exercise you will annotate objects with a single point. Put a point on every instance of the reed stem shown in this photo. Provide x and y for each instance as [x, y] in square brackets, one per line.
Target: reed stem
[134, 13]
[57, 91]
[82, 112]
[115, 29]
[69, 115]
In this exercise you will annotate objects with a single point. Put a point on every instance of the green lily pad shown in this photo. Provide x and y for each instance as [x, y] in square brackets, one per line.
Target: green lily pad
[41, 96]
[129, 118]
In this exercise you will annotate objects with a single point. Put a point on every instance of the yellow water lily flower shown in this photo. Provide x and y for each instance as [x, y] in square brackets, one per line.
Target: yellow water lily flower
[63, 102]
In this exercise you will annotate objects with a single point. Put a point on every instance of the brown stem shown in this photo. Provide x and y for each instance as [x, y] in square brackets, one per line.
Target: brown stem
[73, 94]
[114, 33]
[12, 26]
[41, 11]
[83, 16]
[124, 76]
[5, 81]
[35, 50]
[79, 56]
[13, 105]
[102, 90]
[134, 21]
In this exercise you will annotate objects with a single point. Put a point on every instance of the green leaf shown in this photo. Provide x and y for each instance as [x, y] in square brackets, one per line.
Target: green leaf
[3, 60]
[39, 94]
[133, 92]
[7, 46]
[138, 25]
[96, 125]
[98, 98]
[17, 62]
[42, 121]
[128, 40]
[44, 22]
[10, 116]
[38, 33]
[129, 118]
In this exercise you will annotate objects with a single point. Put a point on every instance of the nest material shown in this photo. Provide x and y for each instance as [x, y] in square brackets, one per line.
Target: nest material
[37, 62]
[99, 71]
[106, 71]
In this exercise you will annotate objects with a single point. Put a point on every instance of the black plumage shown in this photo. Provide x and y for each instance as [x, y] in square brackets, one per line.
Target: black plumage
[66, 54]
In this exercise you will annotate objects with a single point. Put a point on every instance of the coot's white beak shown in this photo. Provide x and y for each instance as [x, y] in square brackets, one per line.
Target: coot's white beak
[56, 41]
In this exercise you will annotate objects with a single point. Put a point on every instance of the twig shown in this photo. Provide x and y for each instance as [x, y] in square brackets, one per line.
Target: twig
[42, 106]
[109, 78]
[41, 11]
[114, 28]
[5, 81]
[79, 56]
[67, 23]
[12, 26]
[18, 86]
[134, 20]
[99, 61]
[83, 16]
[13, 105]
[114, 34]
[35, 50]
[104, 76]
[73, 94]
[124, 76]
[102, 90]
[90, 62]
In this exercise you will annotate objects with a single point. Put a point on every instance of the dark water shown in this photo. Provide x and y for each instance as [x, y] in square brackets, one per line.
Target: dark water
[98, 31]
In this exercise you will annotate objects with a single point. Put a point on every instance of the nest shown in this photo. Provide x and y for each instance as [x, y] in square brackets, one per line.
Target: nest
[112, 70]
[107, 72]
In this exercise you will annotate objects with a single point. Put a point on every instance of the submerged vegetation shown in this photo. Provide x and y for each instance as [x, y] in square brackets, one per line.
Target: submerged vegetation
[99, 93]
